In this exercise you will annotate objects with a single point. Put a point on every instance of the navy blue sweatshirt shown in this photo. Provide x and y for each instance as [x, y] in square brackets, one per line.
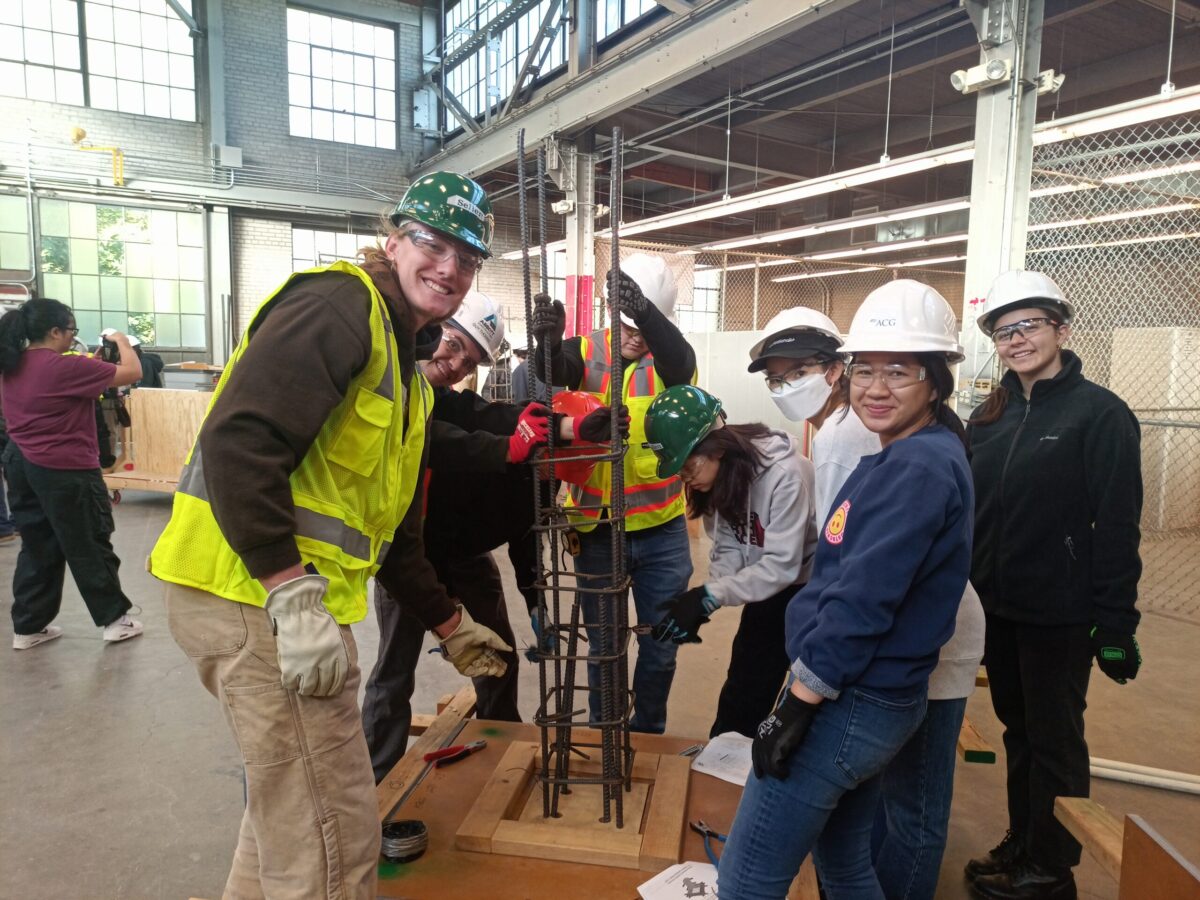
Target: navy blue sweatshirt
[891, 566]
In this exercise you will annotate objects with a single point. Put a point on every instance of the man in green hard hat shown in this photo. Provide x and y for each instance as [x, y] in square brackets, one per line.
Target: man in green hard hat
[302, 484]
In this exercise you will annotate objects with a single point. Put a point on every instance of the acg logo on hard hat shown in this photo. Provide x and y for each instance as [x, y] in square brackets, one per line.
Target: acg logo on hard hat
[464, 203]
[488, 325]
[883, 323]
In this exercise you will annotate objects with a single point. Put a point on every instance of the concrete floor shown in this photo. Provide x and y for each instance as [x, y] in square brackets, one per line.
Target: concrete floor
[120, 779]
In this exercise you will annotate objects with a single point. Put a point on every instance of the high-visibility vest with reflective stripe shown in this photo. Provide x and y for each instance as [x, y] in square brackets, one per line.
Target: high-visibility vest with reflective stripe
[649, 500]
[350, 491]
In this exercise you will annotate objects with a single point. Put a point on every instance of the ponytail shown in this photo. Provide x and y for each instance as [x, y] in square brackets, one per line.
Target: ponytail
[992, 408]
[943, 389]
[31, 321]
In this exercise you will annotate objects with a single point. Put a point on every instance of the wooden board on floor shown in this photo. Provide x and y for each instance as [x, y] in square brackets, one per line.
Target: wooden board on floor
[443, 797]
[971, 745]
[1095, 827]
[412, 766]
[1150, 867]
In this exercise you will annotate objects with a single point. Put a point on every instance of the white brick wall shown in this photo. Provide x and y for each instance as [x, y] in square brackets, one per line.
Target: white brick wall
[262, 259]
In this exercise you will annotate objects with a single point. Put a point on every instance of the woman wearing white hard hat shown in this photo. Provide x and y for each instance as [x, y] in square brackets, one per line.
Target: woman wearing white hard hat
[1057, 469]
[800, 354]
[864, 633]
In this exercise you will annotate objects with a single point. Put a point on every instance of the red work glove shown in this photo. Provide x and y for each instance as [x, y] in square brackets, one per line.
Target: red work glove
[533, 430]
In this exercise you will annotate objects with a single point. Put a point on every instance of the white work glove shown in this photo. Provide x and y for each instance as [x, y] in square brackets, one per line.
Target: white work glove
[312, 655]
[472, 647]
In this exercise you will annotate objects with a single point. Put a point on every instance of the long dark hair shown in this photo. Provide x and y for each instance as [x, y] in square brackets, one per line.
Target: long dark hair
[31, 321]
[741, 461]
[942, 379]
[992, 408]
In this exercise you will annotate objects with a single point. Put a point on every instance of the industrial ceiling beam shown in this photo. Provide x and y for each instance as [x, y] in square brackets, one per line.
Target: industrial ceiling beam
[532, 63]
[1186, 12]
[677, 6]
[479, 37]
[685, 46]
[186, 18]
[460, 112]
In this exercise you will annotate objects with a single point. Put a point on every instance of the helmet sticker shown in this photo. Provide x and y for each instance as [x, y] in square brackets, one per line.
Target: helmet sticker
[488, 325]
[464, 203]
[835, 530]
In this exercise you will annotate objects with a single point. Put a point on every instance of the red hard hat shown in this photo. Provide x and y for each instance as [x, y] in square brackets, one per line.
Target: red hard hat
[576, 405]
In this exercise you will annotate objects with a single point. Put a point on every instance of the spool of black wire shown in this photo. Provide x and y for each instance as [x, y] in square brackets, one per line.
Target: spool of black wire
[404, 841]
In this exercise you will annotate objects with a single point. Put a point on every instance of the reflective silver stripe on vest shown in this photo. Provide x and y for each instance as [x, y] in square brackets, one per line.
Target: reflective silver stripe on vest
[309, 524]
[387, 387]
[642, 381]
[191, 479]
[635, 499]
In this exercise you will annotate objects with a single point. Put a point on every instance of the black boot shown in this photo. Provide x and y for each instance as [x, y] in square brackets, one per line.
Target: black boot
[1002, 858]
[1028, 881]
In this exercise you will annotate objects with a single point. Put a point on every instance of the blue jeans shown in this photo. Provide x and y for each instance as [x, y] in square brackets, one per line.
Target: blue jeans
[914, 809]
[659, 561]
[825, 805]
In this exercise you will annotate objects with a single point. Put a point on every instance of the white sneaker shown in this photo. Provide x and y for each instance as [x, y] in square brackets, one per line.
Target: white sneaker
[123, 629]
[25, 641]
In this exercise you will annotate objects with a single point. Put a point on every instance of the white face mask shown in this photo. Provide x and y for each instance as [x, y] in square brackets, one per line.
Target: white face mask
[803, 398]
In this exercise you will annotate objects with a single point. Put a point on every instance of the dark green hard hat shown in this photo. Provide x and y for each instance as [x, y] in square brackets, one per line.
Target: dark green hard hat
[677, 420]
[452, 204]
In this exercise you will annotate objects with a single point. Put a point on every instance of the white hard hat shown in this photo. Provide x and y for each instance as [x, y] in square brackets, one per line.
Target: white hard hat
[1018, 288]
[107, 332]
[478, 317]
[656, 281]
[797, 333]
[905, 316]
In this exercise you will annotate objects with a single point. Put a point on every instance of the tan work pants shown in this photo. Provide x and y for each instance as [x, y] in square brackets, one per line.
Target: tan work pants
[311, 828]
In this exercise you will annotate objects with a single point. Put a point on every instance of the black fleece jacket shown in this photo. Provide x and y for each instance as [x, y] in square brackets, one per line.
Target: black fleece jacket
[1058, 501]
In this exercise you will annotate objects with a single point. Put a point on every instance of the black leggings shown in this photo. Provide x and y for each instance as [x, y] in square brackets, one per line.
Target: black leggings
[757, 666]
[65, 519]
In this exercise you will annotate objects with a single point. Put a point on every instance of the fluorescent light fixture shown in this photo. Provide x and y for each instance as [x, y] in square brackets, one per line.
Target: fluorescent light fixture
[1115, 216]
[895, 215]
[1147, 239]
[536, 252]
[759, 264]
[826, 274]
[1162, 172]
[937, 260]
[887, 248]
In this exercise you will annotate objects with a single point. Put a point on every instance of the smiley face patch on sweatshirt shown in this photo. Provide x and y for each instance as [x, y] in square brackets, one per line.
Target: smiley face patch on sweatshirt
[835, 529]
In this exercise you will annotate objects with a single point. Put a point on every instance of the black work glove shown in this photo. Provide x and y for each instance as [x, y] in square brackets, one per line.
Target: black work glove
[631, 300]
[596, 426]
[1117, 653]
[779, 734]
[549, 322]
[689, 611]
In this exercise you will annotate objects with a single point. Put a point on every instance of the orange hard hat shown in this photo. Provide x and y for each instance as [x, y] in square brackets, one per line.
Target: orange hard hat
[575, 405]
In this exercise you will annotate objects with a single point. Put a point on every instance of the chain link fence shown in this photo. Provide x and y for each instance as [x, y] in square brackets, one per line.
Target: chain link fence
[1115, 220]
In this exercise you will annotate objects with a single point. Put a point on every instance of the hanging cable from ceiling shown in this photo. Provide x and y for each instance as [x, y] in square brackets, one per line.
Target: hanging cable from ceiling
[1168, 86]
[887, 119]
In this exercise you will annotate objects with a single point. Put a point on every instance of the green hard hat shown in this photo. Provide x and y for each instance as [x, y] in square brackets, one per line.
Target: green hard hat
[677, 420]
[452, 204]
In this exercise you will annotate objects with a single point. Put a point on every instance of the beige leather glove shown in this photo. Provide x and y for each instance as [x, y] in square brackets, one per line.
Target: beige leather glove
[472, 647]
[312, 655]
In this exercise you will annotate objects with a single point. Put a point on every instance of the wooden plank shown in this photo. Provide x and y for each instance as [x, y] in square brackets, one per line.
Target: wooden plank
[411, 767]
[420, 723]
[1150, 867]
[551, 840]
[499, 798]
[1094, 827]
[804, 885]
[442, 702]
[665, 823]
[971, 745]
[981, 679]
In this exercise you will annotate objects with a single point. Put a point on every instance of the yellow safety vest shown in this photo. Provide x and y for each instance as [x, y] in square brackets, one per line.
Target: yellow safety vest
[649, 500]
[350, 491]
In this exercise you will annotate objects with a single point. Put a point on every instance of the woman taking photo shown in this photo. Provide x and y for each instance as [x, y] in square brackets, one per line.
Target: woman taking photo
[754, 492]
[59, 502]
[1057, 469]
[864, 633]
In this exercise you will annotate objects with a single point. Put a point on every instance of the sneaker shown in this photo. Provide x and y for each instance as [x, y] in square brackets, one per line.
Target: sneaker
[1002, 858]
[123, 629]
[1028, 881]
[25, 641]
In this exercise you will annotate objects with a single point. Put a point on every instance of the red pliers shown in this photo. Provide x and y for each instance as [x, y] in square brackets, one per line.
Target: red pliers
[448, 755]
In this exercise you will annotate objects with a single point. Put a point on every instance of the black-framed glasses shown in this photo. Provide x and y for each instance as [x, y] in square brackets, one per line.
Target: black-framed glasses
[1024, 328]
[442, 251]
[74, 331]
[863, 375]
[776, 383]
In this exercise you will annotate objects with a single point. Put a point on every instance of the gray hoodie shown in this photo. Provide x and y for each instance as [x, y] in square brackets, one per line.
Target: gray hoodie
[776, 548]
